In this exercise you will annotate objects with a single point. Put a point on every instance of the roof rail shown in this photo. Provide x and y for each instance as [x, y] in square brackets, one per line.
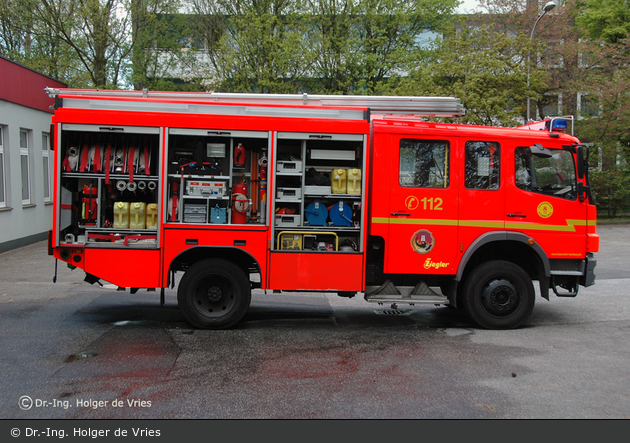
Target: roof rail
[420, 106]
[551, 124]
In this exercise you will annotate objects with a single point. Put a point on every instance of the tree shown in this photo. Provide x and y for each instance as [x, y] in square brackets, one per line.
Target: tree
[336, 57]
[27, 39]
[388, 35]
[323, 46]
[161, 50]
[607, 20]
[95, 30]
[257, 46]
[482, 66]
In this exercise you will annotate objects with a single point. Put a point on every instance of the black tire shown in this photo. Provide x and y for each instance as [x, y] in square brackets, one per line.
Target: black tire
[214, 294]
[498, 295]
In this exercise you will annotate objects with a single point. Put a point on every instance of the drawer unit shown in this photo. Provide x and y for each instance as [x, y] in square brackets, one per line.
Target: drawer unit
[288, 220]
[290, 166]
[289, 193]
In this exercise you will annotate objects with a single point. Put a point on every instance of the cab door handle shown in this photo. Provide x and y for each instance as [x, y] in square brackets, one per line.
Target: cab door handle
[517, 215]
[400, 214]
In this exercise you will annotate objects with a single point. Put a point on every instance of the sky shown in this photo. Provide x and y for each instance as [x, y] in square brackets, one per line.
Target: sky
[467, 6]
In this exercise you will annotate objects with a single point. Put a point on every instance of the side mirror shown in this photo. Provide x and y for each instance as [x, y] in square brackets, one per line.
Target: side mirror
[538, 151]
[580, 162]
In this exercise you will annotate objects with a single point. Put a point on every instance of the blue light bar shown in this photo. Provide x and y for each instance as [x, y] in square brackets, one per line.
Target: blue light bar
[560, 124]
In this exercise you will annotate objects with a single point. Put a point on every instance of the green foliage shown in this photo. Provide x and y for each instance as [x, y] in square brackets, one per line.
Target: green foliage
[607, 20]
[482, 67]
[87, 43]
[319, 46]
[156, 32]
[611, 190]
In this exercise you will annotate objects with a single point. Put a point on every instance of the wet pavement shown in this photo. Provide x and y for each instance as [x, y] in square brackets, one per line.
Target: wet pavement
[72, 350]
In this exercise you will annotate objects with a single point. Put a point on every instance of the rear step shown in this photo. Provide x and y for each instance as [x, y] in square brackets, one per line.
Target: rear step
[389, 293]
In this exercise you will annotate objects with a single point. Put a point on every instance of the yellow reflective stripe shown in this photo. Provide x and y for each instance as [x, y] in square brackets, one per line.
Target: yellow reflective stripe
[533, 227]
[414, 221]
[569, 227]
[481, 224]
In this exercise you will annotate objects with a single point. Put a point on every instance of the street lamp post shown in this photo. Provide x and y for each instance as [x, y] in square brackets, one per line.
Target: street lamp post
[548, 7]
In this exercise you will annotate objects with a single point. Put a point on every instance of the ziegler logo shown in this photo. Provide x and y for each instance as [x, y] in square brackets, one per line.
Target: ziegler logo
[428, 264]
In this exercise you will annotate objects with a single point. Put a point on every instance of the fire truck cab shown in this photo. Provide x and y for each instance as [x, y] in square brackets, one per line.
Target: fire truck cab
[344, 194]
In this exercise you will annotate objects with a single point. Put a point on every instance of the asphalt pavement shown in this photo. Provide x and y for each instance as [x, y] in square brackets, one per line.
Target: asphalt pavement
[72, 350]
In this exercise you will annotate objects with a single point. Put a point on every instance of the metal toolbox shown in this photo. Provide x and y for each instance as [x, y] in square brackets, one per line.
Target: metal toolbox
[292, 166]
[283, 220]
[289, 193]
[195, 213]
[194, 218]
[190, 208]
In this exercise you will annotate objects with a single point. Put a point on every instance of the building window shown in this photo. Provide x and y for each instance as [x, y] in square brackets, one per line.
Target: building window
[587, 105]
[552, 57]
[552, 105]
[25, 167]
[3, 198]
[483, 165]
[424, 163]
[47, 165]
[589, 54]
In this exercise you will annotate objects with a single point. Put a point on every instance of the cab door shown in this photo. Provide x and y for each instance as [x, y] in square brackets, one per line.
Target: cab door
[423, 205]
[542, 200]
[482, 189]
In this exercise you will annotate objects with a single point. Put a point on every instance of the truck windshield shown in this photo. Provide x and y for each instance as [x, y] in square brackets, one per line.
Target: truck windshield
[553, 176]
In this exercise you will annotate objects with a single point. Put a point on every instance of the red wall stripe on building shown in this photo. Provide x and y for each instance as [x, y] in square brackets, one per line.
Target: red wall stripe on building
[22, 85]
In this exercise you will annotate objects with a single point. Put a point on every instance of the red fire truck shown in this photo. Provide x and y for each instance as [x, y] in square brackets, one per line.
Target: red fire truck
[343, 194]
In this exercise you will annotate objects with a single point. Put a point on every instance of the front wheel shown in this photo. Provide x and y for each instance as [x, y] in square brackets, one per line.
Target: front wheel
[214, 294]
[498, 295]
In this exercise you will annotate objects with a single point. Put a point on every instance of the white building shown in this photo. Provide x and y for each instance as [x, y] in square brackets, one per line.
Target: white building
[25, 155]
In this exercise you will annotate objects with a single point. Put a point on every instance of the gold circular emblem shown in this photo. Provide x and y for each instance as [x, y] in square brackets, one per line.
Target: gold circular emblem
[545, 209]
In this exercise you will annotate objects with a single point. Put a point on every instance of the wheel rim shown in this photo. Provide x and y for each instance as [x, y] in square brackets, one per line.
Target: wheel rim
[214, 296]
[500, 298]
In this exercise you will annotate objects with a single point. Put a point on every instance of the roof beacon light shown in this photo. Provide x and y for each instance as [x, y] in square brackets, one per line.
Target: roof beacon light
[557, 125]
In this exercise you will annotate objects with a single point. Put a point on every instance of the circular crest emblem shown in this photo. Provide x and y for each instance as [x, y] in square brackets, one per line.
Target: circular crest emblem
[545, 209]
[422, 241]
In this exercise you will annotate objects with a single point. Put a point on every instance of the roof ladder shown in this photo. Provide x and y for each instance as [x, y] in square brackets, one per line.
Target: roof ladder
[398, 105]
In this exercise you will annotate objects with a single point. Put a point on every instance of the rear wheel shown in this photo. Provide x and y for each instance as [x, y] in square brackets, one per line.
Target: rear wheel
[498, 295]
[214, 294]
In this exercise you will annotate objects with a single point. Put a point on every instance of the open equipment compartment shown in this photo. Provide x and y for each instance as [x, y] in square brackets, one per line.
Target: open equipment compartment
[109, 183]
[319, 192]
[215, 176]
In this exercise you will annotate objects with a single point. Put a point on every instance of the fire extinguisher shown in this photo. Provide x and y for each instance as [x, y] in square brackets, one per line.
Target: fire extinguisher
[88, 207]
[240, 204]
[239, 155]
[263, 186]
[173, 204]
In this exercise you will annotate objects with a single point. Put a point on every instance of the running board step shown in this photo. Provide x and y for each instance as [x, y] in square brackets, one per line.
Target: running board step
[389, 293]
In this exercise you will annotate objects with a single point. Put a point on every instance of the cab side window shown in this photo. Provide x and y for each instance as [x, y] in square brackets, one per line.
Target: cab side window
[424, 163]
[553, 176]
[483, 162]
